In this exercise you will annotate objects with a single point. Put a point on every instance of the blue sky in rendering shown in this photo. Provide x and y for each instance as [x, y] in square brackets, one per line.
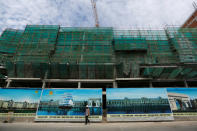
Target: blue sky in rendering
[20, 95]
[121, 93]
[78, 13]
[191, 92]
[77, 94]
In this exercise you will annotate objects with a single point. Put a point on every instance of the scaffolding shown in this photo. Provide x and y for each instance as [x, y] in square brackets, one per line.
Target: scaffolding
[37, 43]
[184, 42]
[83, 53]
[9, 41]
[54, 52]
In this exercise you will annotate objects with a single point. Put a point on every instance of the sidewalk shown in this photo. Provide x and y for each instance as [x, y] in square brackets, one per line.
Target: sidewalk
[130, 126]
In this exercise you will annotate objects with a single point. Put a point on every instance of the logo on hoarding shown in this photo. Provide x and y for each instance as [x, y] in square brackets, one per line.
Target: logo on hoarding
[50, 92]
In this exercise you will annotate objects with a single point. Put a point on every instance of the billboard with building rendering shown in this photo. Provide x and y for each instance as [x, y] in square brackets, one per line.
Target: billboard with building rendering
[183, 101]
[21, 102]
[138, 104]
[69, 105]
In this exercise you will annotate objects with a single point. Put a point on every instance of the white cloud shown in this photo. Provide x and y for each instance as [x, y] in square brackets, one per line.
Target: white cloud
[78, 13]
[156, 13]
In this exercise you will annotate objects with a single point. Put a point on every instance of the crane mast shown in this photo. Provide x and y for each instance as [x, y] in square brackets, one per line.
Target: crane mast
[95, 13]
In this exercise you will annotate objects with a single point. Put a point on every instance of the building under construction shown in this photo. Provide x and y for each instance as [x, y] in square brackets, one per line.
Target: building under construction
[54, 56]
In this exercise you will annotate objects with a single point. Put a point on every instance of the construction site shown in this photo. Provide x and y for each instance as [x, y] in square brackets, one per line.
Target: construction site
[98, 57]
[52, 56]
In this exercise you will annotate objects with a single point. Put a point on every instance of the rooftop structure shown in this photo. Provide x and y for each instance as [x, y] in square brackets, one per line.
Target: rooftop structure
[191, 22]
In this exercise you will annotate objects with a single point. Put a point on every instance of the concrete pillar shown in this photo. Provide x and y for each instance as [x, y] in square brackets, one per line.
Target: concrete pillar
[115, 84]
[8, 83]
[150, 84]
[79, 84]
[185, 82]
[43, 84]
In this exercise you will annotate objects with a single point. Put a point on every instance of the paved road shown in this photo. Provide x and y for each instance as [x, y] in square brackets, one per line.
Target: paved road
[133, 126]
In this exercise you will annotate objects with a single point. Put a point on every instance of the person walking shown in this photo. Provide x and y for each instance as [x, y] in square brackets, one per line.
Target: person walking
[87, 113]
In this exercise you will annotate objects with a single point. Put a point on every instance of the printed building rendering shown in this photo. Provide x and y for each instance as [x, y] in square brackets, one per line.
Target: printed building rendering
[183, 99]
[69, 104]
[136, 104]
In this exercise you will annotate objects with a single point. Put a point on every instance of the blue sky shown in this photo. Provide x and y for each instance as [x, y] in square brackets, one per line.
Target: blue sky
[121, 93]
[77, 94]
[192, 92]
[78, 13]
[20, 95]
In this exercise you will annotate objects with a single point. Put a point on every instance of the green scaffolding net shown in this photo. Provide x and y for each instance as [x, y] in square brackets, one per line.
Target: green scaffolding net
[84, 45]
[9, 41]
[51, 51]
[37, 43]
[184, 41]
[84, 53]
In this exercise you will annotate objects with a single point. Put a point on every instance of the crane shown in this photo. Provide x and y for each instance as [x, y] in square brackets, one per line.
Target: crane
[95, 13]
